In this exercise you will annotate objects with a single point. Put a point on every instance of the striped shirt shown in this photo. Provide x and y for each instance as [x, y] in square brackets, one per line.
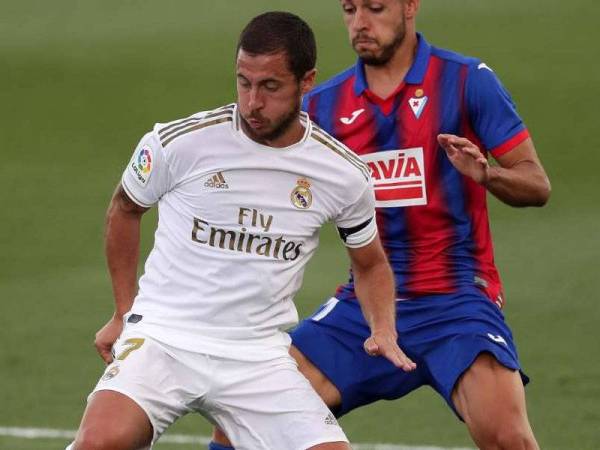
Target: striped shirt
[433, 221]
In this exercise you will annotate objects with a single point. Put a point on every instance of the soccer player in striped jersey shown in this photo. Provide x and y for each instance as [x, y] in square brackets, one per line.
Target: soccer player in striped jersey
[402, 108]
[242, 192]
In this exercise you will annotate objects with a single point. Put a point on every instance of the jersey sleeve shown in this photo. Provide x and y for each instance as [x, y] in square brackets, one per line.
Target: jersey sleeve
[146, 178]
[356, 223]
[492, 113]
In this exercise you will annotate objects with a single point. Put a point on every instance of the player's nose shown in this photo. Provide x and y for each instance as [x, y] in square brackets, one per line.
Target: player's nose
[359, 21]
[255, 100]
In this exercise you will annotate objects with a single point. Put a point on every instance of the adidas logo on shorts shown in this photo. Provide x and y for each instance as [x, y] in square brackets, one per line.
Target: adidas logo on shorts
[330, 419]
[217, 181]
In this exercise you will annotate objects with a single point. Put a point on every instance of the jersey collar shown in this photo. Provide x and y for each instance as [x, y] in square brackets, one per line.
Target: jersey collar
[415, 75]
[304, 120]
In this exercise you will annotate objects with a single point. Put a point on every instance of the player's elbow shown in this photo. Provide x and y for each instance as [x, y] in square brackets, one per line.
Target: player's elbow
[543, 192]
[536, 193]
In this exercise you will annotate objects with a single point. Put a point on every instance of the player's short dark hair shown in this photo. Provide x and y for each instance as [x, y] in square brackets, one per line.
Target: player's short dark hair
[277, 31]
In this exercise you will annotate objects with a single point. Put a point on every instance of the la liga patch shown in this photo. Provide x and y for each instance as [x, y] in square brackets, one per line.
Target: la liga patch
[142, 164]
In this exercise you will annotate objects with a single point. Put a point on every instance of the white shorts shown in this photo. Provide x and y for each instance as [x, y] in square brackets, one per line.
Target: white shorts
[259, 405]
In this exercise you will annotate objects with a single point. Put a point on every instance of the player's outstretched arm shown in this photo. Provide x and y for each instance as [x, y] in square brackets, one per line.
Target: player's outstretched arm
[374, 284]
[519, 180]
[122, 245]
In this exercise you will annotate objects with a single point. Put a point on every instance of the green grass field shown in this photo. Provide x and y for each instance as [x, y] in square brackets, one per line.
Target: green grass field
[80, 82]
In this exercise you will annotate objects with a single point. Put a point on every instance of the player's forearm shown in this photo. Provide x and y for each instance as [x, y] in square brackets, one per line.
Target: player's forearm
[122, 246]
[376, 294]
[524, 184]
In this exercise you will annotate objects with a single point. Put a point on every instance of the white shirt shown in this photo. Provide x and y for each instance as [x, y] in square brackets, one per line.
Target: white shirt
[238, 221]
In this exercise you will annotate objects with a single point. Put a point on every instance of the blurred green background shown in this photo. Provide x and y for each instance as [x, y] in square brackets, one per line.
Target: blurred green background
[81, 82]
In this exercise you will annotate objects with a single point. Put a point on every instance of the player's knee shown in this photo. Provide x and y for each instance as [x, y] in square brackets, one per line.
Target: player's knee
[90, 439]
[517, 439]
[509, 438]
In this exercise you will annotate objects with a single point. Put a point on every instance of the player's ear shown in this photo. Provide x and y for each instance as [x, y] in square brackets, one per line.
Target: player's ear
[411, 7]
[308, 81]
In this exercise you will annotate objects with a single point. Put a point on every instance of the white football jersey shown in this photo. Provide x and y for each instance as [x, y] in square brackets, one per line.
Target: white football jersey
[237, 223]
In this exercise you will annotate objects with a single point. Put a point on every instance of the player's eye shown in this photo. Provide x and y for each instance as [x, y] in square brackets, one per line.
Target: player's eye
[376, 8]
[242, 82]
[271, 86]
[348, 9]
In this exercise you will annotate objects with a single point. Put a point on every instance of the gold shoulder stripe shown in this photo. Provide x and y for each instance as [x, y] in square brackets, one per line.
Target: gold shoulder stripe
[344, 152]
[186, 125]
[363, 169]
[193, 119]
[341, 147]
[219, 111]
[176, 123]
[317, 127]
[197, 127]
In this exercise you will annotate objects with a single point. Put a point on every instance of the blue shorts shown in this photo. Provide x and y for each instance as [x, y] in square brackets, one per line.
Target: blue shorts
[442, 334]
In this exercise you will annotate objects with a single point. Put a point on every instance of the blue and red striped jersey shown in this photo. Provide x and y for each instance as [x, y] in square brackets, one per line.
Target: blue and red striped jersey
[432, 220]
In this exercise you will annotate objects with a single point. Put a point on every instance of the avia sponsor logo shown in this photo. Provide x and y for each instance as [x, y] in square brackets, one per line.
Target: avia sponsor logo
[244, 241]
[399, 177]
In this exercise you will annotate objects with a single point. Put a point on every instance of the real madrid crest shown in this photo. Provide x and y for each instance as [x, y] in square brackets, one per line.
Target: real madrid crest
[301, 196]
[110, 373]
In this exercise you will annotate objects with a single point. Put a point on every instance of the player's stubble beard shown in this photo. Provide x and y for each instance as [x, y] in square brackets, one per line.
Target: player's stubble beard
[282, 125]
[387, 50]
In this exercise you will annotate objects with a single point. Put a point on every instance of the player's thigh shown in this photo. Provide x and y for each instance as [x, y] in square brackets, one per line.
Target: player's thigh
[268, 405]
[149, 379]
[320, 383]
[334, 360]
[463, 326]
[490, 397]
[219, 437]
[113, 421]
[331, 446]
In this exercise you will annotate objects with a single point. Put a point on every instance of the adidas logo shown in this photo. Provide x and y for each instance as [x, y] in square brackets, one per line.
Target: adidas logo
[330, 419]
[217, 181]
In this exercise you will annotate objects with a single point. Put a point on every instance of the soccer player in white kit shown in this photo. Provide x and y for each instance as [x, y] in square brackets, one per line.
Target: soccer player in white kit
[242, 192]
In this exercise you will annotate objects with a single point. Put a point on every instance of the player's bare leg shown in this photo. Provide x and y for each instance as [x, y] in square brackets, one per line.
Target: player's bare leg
[491, 400]
[320, 383]
[218, 437]
[112, 421]
[331, 446]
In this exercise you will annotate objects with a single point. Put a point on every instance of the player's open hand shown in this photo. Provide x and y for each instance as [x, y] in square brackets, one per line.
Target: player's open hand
[106, 337]
[465, 156]
[385, 344]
